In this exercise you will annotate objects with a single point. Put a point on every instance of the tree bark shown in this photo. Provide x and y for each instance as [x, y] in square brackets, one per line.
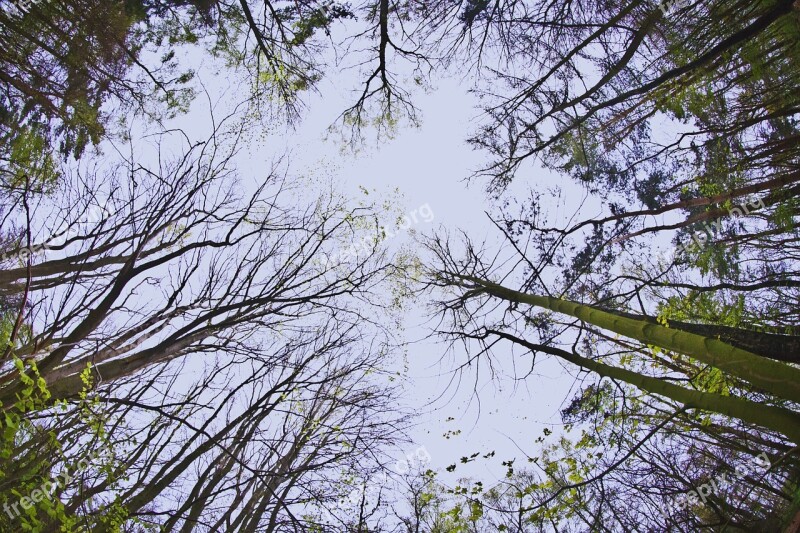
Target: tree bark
[774, 377]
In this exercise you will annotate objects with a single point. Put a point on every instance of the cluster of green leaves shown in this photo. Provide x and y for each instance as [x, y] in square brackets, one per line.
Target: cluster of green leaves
[34, 458]
[28, 455]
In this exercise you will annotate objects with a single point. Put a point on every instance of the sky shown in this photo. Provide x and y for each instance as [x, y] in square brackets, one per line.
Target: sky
[424, 167]
[430, 165]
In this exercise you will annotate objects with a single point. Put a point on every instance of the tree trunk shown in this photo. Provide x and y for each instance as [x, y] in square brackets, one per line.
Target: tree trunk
[774, 377]
[784, 348]
[777, 419]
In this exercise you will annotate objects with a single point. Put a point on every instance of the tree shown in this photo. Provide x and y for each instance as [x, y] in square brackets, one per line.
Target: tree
[586, 90]
[699, 345]
[225, 360]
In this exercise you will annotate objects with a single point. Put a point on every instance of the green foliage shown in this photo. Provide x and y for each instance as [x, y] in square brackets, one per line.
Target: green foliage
[710, 308]
[783, 216]
[28, 455]
[319, 18]
[30, 159]
[31, 454]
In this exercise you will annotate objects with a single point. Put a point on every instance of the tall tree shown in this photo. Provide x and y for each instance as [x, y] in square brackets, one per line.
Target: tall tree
[198, 336]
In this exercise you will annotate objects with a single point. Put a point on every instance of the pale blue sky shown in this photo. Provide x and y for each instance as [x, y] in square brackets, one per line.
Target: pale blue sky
[428, 165]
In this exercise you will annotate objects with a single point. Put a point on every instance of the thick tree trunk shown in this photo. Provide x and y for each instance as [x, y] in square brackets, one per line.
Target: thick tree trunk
[784, 348]
[773, 377]
[794, 525]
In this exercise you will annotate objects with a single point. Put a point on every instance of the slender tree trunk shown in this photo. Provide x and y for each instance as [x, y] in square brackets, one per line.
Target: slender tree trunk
[777, 419]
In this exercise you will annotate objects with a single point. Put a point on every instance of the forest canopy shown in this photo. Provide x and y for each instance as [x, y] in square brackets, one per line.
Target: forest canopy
[186, 347]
